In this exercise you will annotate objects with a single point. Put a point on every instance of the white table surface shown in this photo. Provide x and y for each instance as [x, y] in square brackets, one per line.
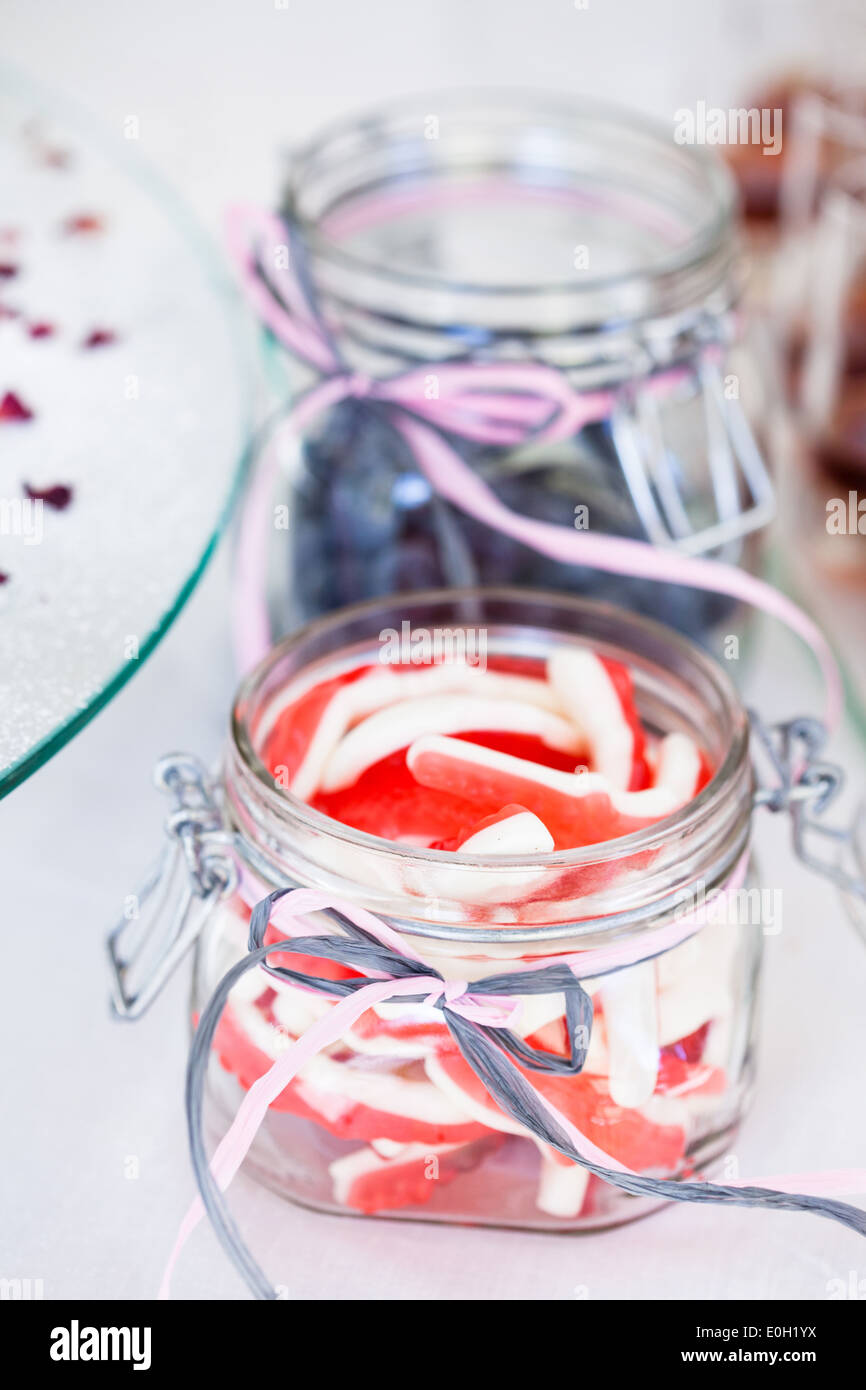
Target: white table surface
[218, 91]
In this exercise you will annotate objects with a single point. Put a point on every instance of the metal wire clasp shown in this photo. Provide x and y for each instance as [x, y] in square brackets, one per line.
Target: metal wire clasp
[194, 871]
[742, 496]
[804, 786]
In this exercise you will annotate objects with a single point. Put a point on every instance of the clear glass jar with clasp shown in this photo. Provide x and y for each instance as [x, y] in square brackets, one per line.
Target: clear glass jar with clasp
[390, 1120]
[504, 229]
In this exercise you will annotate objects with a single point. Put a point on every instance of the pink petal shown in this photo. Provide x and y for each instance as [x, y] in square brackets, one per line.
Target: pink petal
[13, 409]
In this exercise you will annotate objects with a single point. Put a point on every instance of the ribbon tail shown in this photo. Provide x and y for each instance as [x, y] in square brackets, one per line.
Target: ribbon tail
[835, 1182]
[519, 1100]
[214, 1178]
[294, 323]
[251, 623]
[460, 485]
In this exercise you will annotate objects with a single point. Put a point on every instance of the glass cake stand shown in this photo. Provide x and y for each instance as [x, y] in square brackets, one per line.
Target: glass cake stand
[125, 411]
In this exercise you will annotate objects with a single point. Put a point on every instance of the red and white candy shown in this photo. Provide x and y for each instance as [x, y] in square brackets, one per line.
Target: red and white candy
[518, 765]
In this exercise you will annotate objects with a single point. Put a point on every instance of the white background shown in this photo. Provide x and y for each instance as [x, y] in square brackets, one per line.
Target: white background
[220, 88]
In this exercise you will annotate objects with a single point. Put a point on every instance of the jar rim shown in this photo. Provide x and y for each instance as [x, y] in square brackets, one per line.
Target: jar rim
[568, 112]
[650, 837]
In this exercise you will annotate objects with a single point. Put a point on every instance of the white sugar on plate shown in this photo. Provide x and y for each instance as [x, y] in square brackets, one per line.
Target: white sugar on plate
[146, 428]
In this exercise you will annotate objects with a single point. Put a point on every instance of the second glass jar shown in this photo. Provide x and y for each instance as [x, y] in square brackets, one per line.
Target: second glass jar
[503, 230]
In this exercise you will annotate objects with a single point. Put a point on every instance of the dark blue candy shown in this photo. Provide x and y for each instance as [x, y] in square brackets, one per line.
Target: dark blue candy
[365, 524]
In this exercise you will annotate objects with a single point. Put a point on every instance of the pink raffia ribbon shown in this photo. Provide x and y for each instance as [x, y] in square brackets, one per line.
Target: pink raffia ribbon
[500, 404]
[494, 1010]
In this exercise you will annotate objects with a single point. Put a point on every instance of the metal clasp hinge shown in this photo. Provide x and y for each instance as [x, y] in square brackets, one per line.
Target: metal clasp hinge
[195, 870]
[804, 786]
[742, 494]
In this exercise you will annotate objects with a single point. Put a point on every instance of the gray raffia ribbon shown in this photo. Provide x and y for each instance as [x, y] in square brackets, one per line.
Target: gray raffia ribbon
[490, 1051]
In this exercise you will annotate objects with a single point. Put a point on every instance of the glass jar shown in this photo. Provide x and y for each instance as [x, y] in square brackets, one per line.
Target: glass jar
[822, 348]
[504, 229]
[389, 1120]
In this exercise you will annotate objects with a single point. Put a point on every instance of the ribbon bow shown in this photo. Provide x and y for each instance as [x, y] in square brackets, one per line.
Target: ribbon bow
[500, 404]
[478, 1021]
[492, 1005]
[504, 404]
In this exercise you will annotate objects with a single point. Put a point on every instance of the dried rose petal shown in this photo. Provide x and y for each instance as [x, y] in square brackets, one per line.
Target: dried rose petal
[100, 337]
[59, 496]
[4, 578]
[7, 270]
[41, 330]
[83, 223]
[13, 409]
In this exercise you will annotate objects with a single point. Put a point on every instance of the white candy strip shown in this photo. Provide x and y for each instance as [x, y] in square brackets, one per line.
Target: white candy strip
[398, 725]
[719, 1047]
[695, 982]
[485, 1114]
[387, 1045]
[683, 1112]
[332, 1088]
[522, 833]
[678, 768]
[380, 1090]
[682, 1011]
[561, 1186]
[597, 1061]
[539, 1010]
[298, 1009]
[679, 965]
[385, 687]
[348, 704]
[388, 1148]
[679, 765]
[588, 695]
[631, 1028]
[345, 1172]
[269, 1039]
[384, 1044]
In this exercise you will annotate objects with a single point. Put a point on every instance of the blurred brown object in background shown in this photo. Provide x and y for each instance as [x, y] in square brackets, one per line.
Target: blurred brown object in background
[759, 175]
[854, 325]
[816, 112]
[840, 451]
[853, 333]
